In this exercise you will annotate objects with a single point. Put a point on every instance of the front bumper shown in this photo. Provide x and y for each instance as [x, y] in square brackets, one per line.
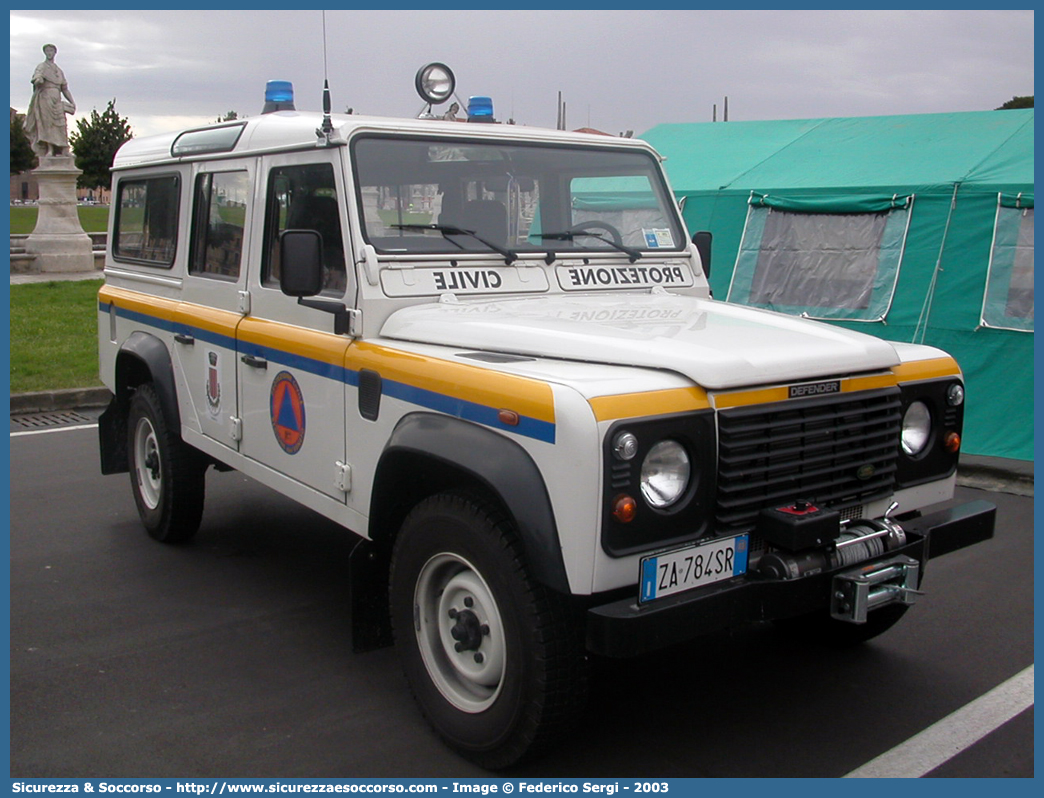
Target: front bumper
[623, 628]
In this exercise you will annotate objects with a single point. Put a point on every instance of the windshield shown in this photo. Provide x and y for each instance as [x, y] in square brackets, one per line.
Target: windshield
[428, 195]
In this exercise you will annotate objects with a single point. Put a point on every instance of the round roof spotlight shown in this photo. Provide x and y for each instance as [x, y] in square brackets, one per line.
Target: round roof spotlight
[435, 83]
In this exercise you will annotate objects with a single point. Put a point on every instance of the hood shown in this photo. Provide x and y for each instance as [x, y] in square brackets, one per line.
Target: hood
[716, 345]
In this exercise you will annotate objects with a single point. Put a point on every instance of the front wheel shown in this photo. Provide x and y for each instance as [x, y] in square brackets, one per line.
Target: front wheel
[493, 658]
[167, 476]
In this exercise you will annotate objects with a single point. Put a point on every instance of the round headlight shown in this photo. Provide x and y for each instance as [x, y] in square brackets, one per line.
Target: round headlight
[917, 428]
[665, 474]
[435, 83]
[955, 395]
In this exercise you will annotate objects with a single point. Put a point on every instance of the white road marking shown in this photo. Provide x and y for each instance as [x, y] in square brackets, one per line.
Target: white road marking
[52, 429]
[942, 741]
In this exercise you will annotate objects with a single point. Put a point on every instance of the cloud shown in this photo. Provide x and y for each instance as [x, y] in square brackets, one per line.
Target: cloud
[617, 70]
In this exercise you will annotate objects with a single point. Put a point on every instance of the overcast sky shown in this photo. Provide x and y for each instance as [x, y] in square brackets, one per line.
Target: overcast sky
[617, 70]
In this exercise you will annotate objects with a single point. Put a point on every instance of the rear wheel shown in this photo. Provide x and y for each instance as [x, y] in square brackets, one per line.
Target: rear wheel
[167, 476]
[494, 659]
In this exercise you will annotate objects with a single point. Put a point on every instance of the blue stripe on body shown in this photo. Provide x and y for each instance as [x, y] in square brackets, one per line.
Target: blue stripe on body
[460, 408]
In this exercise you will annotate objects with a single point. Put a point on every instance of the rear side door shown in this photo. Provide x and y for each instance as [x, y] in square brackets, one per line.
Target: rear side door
[213, 296]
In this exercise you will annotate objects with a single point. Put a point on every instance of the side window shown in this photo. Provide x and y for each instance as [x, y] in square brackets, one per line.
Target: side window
[219, 216]
[304, 198]
[146, 227]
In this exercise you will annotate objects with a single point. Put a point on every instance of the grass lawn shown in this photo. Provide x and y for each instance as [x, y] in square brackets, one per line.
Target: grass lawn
[94, 218]
[54, 335]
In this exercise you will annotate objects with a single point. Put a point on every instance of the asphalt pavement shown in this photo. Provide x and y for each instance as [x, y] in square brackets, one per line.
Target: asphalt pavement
[230, 656]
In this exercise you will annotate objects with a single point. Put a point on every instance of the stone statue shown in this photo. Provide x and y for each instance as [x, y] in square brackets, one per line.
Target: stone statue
[45, 120]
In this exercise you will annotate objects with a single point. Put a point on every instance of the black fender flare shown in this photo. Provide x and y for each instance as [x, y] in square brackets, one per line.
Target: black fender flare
[497, 462]
[142, 358]
[155, 356]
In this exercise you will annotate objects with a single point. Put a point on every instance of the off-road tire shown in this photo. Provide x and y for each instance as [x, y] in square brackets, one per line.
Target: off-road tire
[167, 476]
[521, 681]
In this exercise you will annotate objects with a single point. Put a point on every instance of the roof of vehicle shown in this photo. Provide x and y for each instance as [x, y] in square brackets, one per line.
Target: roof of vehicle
[291, 130]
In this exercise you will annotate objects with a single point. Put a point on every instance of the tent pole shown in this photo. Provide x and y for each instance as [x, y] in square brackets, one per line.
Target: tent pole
[926, 309]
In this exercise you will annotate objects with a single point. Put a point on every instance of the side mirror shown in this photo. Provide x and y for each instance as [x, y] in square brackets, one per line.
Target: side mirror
[301, 256]
[702, 240]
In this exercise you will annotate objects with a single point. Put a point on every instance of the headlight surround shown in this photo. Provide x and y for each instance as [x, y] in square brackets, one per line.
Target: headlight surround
[917, 429]
[628, 530]
[666, 473]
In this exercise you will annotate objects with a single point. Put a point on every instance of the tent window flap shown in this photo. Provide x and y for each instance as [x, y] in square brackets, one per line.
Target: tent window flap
[839, 261]
[1008, 301]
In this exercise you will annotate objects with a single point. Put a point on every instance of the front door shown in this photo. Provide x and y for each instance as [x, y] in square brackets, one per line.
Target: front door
[290, 362]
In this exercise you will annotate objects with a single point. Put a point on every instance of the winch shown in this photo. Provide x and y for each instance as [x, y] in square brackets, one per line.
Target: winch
[808, 540]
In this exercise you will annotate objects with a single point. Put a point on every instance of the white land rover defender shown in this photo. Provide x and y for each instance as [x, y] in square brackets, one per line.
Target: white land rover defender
[490, 352]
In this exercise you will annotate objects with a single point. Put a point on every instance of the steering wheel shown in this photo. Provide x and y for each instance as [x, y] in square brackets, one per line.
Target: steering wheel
[596, 225]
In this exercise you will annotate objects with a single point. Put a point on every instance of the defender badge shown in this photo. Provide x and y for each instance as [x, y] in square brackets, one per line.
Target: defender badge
[815, 389]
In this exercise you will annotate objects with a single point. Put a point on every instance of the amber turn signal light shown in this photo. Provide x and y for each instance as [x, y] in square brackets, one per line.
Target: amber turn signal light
[624, 508]
[952, 443]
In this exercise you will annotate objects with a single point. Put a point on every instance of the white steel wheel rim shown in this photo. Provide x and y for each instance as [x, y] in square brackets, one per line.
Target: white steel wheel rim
[452, 595]
[147, 463]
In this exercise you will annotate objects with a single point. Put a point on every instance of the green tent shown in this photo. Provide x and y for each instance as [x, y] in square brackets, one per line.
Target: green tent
[913, 228]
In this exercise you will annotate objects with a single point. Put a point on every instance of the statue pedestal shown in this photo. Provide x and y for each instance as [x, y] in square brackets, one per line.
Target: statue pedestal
[58, 241]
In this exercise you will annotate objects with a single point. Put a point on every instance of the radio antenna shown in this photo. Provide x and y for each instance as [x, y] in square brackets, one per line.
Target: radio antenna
[326, 131]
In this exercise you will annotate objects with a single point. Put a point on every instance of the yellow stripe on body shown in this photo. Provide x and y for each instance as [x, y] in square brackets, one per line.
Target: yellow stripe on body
[222, 322]
[160, 307]
[782, 393]
[927, 369]
[321, 346]
[651, 403]
[527, 397]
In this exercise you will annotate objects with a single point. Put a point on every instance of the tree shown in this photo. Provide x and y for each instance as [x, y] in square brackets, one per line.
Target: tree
[22, 156]
[228, 117]
[94, 143]
[1017, 102]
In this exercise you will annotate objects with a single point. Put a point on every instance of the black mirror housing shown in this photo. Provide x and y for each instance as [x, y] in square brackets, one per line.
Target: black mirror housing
[301, 256]
[703, 240]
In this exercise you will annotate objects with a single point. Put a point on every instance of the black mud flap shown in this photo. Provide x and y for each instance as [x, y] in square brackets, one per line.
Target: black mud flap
[112, 439]
[368, 588]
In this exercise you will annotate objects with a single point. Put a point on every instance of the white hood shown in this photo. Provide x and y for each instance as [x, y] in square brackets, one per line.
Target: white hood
[716, 345]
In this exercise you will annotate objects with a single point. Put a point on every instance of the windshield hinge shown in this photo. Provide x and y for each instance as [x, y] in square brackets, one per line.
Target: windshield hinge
[370, 264]
[354, 322]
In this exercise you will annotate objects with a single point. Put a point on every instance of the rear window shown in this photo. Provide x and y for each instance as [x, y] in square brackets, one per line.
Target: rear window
[146, 229]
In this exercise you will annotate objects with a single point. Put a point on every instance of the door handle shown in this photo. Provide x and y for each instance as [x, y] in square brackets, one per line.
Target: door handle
[255, 362]
[182, 338]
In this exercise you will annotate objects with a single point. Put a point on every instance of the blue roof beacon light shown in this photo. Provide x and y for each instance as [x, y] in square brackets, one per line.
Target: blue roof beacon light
[279, 96]
[480, 109]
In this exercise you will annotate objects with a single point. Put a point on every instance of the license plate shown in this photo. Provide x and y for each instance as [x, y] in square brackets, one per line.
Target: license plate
[675, 571]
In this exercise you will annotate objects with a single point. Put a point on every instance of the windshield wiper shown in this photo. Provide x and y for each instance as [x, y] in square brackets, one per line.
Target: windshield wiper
[449, 229]
[568, 235]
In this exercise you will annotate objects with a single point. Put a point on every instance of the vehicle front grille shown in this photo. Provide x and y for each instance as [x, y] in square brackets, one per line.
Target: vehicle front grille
[835, 452]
